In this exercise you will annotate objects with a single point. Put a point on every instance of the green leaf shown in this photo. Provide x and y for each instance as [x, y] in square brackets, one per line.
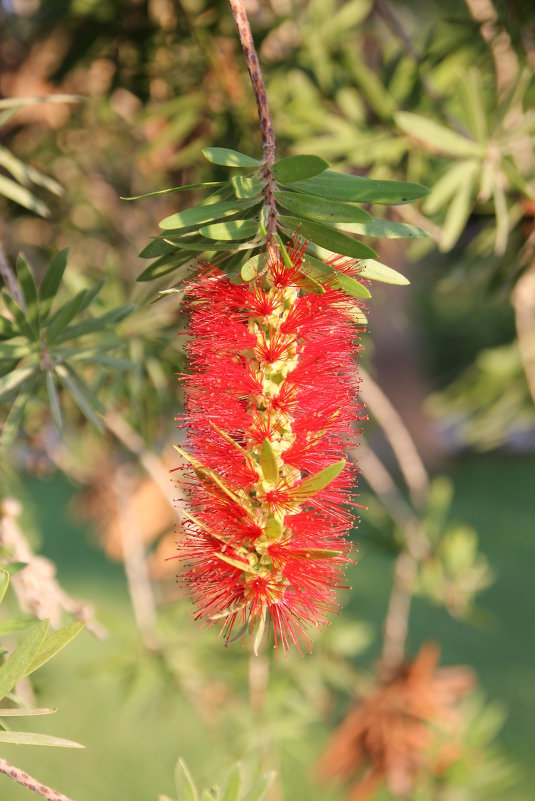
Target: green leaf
[53, 399]
[229, 158]
[185, 786]
[297, 168]
[51, 282]
[329, 238]
[13, 379]
[436, 137]
[249, 270]
[23, 327]
[269, 462]
[14, 418]
[210, 476]
[470, 93]
[4, 583]
[61, 319]
[237, 229]
[458, 212]
[20, 102]
[16, 665]
[157, 247]
[174, 189]
[246, 186]
[96, 323]
[14, 624]
[314, 208]
[165, 265]
[314, 484]
[29, 293]
[328, 275]
[273, 528]
[383, 229]
[356, 189]
[448, 184]
[82, 396]
[32, 738]
[19, 194]
[54, 643]
[24, 712]
[201, 214]
[260, 788]
[374, 270]
[7, 329]
[25, 174]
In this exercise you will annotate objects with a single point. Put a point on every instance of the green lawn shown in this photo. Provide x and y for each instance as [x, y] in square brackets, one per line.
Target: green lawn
[134, 726]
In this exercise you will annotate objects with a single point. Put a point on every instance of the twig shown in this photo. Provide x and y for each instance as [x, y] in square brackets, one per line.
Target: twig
[505, 59]
[36, 586]
[398, 435]
[10, 279]
[264, 113]
[21, 777]
[135, 564]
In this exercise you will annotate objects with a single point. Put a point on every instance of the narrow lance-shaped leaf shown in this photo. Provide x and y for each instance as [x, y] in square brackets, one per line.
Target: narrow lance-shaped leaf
[205, 213]
[246, 186]
[25, 712]
[259, 789]
[81, 394]
[327, 275]
[29, 292]
[4, 583]
[33, 738]
[53, 399]
[229, 158]
[269, 462]
[374, 270]
[16, 665]
[13, 379]
[297, 168]
[19, 194]
[20, 320]
[356, 189]
[173, 189]
[314, 484]
[185, 786]
[237, 229]
[329, 238]
[52, 644]
[51, 282]
[436, 137]
[314, 208]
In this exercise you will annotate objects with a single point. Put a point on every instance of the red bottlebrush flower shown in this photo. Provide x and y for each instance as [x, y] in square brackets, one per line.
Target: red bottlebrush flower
[270, 406]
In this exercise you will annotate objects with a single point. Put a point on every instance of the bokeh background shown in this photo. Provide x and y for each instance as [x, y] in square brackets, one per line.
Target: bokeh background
[408, 90]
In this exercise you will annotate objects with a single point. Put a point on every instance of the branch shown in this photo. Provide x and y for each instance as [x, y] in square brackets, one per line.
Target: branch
[398, 435]
[264, 113]
[523, 299]
[21, 777]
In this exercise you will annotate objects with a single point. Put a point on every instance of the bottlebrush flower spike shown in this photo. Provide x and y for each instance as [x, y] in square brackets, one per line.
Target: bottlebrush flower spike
[271, 402]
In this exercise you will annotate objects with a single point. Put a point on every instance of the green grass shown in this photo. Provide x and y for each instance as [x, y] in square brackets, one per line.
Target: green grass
[135, 725]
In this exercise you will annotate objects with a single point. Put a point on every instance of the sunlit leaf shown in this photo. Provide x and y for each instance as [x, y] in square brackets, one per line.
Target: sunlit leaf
[33, 738]
[383, 229]
[20, 320]
[53, 399]
[448, 184]
[229, 158]
[436, 137]
[13, 379]
[246, 186]
[374, 270]
[96, 323]
[314, 484]
[458, 212]
[4, 583]
[329, 276]
[25, 174]
[174, 189]
[16, 412]
[63, 316]
[19, 194]
[25, 712]
[53, 643]
[269, 462]
[249, 270]
[185, 786]
[237, 229]
[201, 214]
[16, 665]
[259, 789]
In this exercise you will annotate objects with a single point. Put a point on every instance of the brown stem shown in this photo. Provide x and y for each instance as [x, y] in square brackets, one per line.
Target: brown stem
[264, 113]
[10, 279]
[397, 617]
[21, 777]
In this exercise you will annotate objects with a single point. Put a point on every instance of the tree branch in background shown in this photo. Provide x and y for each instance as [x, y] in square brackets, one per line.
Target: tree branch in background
[21, 777]
[264, 113]
[499, 41]
[36, 587]
[398, 436]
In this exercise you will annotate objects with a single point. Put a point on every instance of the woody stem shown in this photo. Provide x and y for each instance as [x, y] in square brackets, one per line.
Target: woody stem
[264, 113]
